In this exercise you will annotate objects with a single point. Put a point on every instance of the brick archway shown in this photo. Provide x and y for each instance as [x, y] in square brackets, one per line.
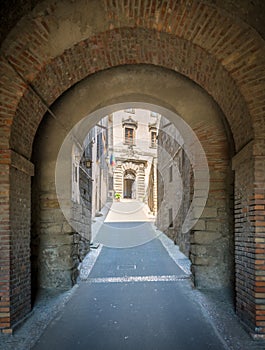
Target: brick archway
[229, 72]
[39, 62]
[127, 85]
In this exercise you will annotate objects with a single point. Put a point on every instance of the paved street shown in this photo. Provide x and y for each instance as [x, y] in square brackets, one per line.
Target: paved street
[128, 224]
[133, 298]
[138, 297]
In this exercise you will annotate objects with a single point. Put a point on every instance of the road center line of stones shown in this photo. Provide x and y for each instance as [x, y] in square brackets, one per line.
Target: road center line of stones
[129, 279]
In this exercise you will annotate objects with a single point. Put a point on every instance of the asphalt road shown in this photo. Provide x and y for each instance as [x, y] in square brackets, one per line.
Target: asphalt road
[134, 298]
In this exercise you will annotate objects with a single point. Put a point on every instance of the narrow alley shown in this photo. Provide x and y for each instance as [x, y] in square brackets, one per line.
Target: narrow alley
[133, 298]
[138, 297]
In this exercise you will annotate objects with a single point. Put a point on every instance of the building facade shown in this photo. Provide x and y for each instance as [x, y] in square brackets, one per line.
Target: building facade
[135, 152]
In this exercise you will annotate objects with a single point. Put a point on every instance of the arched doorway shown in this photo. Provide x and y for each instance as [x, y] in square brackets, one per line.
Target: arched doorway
[129, 185]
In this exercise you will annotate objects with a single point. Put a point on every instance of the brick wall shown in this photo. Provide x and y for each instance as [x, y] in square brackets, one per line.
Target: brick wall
[20, 286]
[5, 240]
[258, 216]
[249, 168]
[15, 286]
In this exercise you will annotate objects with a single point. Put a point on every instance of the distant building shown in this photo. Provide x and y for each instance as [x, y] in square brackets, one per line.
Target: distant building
[122, 149]
[133, 154]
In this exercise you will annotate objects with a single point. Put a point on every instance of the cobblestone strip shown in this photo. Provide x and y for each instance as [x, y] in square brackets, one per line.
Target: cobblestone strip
[129, 279]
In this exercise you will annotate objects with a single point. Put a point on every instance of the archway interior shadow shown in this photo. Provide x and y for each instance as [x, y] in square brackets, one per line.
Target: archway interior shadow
[203, 274]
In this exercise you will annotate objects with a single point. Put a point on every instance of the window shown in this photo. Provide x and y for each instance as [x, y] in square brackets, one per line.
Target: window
[129, 136]
[170, 217]
[130, 110]
[130, 125]
[153, 139]
[170, 173]
[154, 114]
[99, 146]
[102, 142]
[76, 157]
[153, 134]
[75, 182]
[75, 173]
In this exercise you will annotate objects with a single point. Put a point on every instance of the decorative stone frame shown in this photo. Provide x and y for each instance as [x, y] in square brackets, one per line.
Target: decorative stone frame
[129, 124]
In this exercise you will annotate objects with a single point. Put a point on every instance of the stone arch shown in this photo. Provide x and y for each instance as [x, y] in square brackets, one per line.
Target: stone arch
[205, 119]
[130, 166]
[196, 39]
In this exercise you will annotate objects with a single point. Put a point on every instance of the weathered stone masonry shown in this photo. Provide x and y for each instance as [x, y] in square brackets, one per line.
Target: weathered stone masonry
[201, 40]
[209, 244]
[57, 247]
